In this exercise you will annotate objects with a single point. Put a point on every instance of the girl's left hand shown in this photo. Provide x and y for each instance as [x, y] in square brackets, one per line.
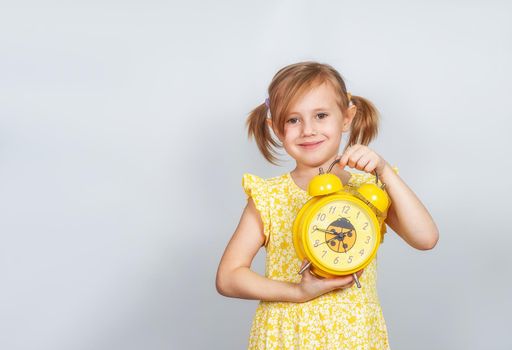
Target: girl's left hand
[362, 158]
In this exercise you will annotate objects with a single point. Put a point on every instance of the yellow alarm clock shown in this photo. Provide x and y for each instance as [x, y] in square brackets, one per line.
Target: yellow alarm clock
[340, 228]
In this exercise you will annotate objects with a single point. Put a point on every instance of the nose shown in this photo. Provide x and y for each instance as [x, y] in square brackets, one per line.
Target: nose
[308, 128]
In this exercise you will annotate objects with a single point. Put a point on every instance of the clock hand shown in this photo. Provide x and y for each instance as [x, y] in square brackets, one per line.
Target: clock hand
[343, 243]
[332, 232]
[342, 239]
[338, 235]
[328, 240]
[358, 284]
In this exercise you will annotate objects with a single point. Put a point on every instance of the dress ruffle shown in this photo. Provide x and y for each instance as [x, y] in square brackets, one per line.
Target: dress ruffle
[256, 188]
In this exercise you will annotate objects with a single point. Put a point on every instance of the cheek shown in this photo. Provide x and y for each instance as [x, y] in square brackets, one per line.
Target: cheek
[289, 142]
[290, 133]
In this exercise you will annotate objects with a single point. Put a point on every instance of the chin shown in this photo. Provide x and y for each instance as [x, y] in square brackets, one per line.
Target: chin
[317, 162]
[316, 159]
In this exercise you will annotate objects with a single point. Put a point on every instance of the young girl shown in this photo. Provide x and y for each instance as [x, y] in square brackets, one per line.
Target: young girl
[308, 110]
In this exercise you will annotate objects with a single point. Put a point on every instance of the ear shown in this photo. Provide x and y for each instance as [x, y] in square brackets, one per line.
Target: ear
[270, 125]
[348, 117]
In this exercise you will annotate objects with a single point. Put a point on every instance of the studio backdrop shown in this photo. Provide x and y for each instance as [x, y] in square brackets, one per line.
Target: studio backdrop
[123, 144]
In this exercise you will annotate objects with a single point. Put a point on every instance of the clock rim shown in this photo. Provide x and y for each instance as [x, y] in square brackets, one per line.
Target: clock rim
[308, 215]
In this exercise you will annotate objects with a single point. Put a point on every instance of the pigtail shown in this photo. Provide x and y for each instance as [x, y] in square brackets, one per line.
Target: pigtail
[365, 124]
[258, 129]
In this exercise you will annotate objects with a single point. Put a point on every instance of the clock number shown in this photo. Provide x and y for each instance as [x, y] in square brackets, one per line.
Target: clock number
[361, 252]
[321, 217]
[345, 209]
[325, 252]
[316, 242]
[365, 226]
[313, 229]
[367, 239]
[350, 259]
[337, 260]
[357, 216]
[332, 209]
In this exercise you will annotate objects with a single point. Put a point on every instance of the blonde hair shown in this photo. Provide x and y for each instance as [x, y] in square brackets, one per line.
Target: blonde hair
[289, 84]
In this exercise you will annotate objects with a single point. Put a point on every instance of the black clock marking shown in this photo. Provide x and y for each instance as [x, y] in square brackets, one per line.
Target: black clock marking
[341, 235]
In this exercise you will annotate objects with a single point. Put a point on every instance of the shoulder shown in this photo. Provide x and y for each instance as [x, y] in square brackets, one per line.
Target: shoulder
[251, 181]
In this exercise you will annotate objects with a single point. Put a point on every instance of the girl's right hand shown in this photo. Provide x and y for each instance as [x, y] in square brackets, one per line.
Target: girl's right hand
[311, 286]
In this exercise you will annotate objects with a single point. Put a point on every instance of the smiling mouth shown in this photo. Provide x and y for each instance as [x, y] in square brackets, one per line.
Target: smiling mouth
[309, 145]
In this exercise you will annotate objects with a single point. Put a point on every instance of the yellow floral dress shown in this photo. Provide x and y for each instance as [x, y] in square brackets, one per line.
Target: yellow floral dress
[343, 319]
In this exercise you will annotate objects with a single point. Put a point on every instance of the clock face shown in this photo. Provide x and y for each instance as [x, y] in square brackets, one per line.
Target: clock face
[342, 235]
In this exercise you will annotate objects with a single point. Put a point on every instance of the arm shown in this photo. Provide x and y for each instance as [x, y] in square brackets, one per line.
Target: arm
[234, 276]
[236, 279]
[407, 216]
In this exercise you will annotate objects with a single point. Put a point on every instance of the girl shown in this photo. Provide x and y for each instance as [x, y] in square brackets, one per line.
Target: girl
[308, 110]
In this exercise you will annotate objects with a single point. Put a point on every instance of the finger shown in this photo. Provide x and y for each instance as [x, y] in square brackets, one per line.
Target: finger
[363, 162]
[370, 167]
[343, 159]
[340, 282]
[345, 281]
[347, 154]
[356, 156]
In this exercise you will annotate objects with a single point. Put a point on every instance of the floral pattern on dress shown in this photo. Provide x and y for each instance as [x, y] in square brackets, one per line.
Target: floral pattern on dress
[348, 318]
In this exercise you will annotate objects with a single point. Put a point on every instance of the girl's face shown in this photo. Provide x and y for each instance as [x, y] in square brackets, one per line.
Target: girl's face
[313, 128]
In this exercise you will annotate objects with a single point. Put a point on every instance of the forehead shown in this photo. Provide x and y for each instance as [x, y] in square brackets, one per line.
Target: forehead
[317, 96]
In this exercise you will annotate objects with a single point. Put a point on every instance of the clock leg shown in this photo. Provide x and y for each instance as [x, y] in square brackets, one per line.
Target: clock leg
[357, 280]
[304, 268]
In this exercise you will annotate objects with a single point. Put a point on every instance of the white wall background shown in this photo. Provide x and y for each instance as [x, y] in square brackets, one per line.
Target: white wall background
[122, 147]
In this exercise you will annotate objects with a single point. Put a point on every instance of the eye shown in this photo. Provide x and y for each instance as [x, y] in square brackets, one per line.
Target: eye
[321, 115]
[292, 121]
